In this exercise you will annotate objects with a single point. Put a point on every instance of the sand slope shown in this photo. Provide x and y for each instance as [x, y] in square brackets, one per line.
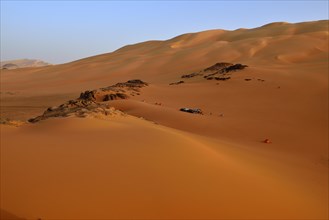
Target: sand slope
[171, 164]
[131, 168]
[271, 46]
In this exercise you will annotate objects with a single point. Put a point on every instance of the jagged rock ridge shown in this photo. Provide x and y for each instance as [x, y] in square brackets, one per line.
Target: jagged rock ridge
[91, 103]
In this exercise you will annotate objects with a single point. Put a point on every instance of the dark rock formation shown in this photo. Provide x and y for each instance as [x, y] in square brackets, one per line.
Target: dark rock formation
[135, 83]
[176, 83]
[88, 95]
[109, 97]
[191, 110]
[221, 71]
[7, 121]
[235, 67]
[93, 102]
[222, 78]
[190, 75]
[71, 107]
[218, 66]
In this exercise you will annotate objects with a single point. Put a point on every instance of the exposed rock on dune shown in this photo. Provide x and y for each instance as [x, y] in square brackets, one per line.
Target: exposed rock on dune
[191, 75]
[7, 121]
[117, 91]
[115, 96]
[88, 101]
[218, 66]
[176, 83]
[191, 110]
[91, 102]
[78, 108]
[218, 71]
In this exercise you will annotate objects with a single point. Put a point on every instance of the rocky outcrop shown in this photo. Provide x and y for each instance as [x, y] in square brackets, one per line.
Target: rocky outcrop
[191, 110]
[135, 83]
[7, 121]
[218, 66]
[219, 71]
[218, 78]
[78, 108]
[93, 102]
[109, 97]
[235, 67]
[88, 95]
[114, 92]
[176, 83]
[191, 75]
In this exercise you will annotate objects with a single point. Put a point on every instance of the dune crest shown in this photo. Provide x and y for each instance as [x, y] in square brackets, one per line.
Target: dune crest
[160, 60]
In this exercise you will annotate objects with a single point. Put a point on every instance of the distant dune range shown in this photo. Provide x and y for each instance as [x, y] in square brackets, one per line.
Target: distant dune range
[14, 64]
[147, 159]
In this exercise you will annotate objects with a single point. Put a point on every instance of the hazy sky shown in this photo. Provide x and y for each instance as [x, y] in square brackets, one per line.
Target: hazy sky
[62, 31]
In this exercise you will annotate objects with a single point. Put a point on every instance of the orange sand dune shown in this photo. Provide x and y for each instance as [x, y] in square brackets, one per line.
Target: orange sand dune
[131, 168]
[159, 163]
[278, 44]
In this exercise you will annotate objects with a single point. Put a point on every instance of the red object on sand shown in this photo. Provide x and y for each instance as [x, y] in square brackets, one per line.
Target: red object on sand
[267, 141]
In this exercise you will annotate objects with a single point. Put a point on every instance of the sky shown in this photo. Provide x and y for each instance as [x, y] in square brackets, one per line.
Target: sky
[64, 31]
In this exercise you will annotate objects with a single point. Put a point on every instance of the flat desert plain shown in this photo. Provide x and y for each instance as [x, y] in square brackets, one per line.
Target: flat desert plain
[124, 150]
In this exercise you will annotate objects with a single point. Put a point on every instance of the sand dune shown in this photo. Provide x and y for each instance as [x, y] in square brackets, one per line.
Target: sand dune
[94, 165]
[157, 61]
[156, 162]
